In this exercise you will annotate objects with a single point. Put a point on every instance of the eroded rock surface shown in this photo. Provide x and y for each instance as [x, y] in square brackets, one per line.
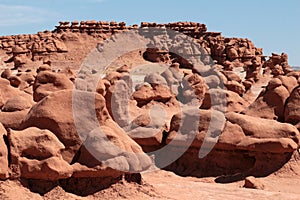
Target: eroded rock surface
[220, 105]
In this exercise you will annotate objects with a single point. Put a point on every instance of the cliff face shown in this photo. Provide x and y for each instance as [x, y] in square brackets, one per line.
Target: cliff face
[65, 45]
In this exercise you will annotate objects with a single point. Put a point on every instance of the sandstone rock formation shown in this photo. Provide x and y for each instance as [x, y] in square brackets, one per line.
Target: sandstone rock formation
[14, 105]
[253, 183]
[240, 134]
[36, 154]
[219, 108]
[4, 169]
[54, 113]
[292, 113]
[47, 82]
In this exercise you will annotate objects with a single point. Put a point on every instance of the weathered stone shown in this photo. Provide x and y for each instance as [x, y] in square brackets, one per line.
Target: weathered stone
[4, 169]
[270, 103]
[263, 128]
[253, 183]
[292, 108]
[48, 82]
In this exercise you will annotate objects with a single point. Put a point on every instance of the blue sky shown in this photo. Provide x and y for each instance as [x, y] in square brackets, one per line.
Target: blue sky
[271, 24]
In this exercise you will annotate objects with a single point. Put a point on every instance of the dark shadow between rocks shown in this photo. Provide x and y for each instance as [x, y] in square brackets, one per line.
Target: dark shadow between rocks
[230, 178]
[6, 141]
[228, 166]
[39, 186]
[87, 186]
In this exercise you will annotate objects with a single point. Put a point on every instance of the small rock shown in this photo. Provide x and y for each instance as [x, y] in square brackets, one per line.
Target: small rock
[15, 81]
[155, 79]
[6, 73]
[274, 83]
[253, 183]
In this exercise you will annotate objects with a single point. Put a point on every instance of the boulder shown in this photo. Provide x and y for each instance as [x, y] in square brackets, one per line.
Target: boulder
[246, 146]
[192, 125]
[274, 83]
[34, 143]
[162, 93]
[155, 79]
[27, 77]
[17, 103]
[101, 87]
[247, 84]
[113, 76]
[20, 60]
[36, 154]
[4, 169]
[110, 146]
[47, 82]
[253, 183]
[156, 55]
[289, 82]
[231, 136]
[51, 169]
[123, 69]
[292, 108]
[13, 119]
[234, 138]
[270, 103]
[144, 93]
[194, 88]
[147, 93]
[15, 81]
[174, 77]
[231, 76]
[8, 92]
[224, 100]
[60, 46]
[212, 81]
[55, 113]
[6, 73]
[263, 128]
[147, 129]
[44, 67]
[119, 102]
[235, 87]
[232, 53]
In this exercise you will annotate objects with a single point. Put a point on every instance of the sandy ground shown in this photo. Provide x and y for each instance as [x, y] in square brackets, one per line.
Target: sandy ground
[171, 186]
[166, 185]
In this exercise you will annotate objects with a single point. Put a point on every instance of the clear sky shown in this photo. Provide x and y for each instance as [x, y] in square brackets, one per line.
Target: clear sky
[271, 24]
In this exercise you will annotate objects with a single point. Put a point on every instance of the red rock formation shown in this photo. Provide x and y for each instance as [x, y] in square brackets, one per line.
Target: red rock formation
[255, 137]
[292, 108]
[4, 167]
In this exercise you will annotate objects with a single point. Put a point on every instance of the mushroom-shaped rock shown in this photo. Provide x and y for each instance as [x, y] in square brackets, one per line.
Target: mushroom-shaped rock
[270, 103]
[235, 87]
[110, 145]
[55, 113]
[16, 102]
[47, 82]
